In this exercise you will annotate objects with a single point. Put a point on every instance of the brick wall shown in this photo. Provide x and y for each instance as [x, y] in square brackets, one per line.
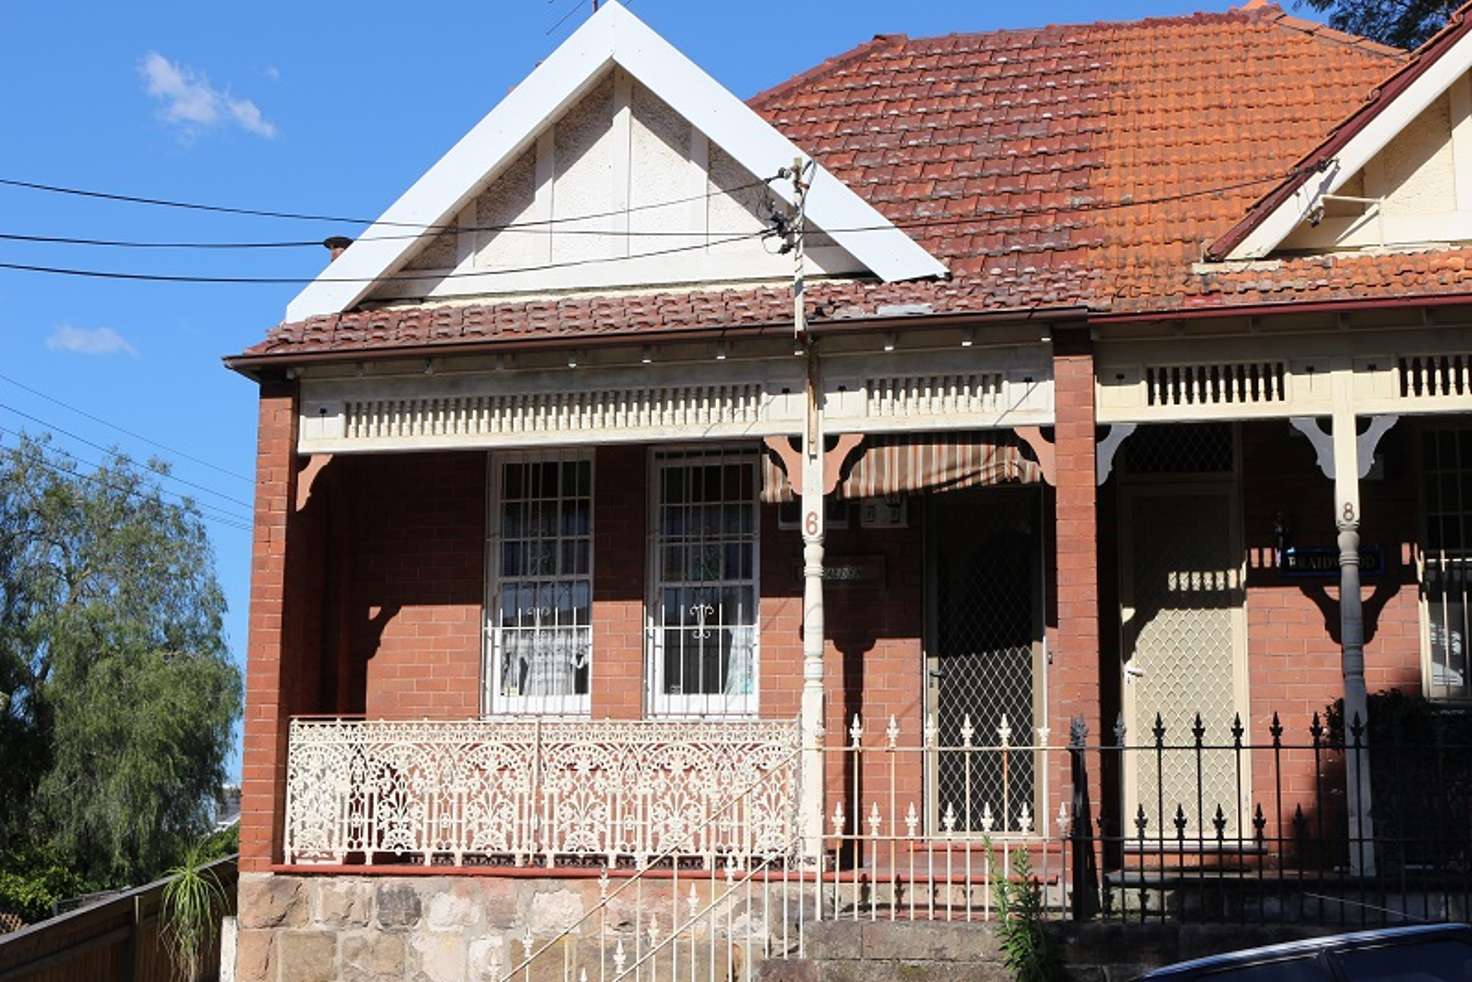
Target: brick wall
[412, 580]
[620, 517]
[417, 586]
[1293, 655]
[1074, 675]
[272, 685]
[1293, 623]
[417, 581]
[873, 657]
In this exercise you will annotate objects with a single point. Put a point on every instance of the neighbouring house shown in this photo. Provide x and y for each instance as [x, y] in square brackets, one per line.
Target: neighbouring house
[605, 622]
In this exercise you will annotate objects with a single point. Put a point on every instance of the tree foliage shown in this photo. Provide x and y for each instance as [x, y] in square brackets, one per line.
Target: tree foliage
[117, 694]
[1403, 23]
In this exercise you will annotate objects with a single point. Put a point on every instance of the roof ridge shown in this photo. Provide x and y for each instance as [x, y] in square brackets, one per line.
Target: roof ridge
[1253, 11]
[856, 53]
[1199, 16]
[1272, 13]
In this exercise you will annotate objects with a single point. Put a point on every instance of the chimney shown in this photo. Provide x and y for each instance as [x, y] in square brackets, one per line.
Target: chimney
[336, 244]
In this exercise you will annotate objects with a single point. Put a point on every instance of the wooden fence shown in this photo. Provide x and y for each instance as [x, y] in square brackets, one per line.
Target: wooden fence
[116, 940]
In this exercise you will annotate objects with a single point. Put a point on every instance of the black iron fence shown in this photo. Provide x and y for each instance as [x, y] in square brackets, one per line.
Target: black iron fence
[1191, 824]
[1237, 822]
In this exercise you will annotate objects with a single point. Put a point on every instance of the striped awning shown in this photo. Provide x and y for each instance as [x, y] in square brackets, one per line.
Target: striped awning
[918, 463]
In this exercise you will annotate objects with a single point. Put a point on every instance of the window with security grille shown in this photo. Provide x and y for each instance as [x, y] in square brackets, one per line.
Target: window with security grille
[1446, 457]
[704, 631]
[540, 608]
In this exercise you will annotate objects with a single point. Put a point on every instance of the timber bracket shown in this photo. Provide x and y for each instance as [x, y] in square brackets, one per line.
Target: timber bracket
[833, 459]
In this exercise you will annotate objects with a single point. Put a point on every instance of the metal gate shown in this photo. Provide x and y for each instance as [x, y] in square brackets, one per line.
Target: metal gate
[1183, 629]
[984, 658]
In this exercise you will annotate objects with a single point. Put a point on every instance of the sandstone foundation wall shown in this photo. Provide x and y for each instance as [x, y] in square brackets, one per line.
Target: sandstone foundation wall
[423, 928]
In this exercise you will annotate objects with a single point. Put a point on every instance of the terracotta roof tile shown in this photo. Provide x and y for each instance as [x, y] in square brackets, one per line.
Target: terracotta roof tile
[1010, 153]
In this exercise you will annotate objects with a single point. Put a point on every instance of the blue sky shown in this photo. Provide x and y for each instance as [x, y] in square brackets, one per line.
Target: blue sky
[326, 108]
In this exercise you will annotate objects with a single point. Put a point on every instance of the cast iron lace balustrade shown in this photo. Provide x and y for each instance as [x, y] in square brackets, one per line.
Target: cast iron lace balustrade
[526, 791]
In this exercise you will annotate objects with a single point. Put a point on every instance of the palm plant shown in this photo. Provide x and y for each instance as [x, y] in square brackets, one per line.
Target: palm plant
[193, 902]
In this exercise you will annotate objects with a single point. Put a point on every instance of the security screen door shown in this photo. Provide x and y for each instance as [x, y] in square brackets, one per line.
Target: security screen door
[1183, 628]
[984, 657]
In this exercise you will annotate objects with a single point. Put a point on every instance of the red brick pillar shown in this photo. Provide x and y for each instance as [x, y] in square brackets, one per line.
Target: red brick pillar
[1073, 676]
[620, 516]
[269, 673]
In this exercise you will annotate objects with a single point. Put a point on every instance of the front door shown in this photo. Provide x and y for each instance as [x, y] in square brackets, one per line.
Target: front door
[1183, 631]
[984, 659]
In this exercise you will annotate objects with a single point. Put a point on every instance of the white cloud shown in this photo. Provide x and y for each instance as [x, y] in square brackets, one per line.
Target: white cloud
[189, 100]
[273, 73]
[89, 341]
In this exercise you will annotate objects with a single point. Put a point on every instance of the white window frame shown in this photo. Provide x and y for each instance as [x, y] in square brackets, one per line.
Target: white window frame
[698, 705]
[493, 701]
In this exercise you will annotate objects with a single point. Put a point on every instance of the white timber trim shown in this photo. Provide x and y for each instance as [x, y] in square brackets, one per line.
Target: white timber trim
[612, 36]
[1460, 99]
[736, 398]
[937, 390]
[1410, 372]
[1361, 148]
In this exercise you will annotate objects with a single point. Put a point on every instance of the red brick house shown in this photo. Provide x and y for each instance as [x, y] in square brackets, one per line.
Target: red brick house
[1090, 313]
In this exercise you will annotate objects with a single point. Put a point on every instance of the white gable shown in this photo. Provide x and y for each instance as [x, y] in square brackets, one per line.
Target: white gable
[1404, 179]
[1409, 193]
[614, 123]
[670, 208]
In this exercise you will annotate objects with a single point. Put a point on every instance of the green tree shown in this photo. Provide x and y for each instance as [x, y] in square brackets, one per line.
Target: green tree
[1403, 23]
[117, 695]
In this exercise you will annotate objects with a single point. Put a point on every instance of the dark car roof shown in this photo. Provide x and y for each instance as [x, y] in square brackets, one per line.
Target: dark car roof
[1275, 952]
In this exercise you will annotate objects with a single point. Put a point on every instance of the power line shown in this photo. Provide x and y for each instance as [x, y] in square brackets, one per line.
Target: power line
[97, 446]
[316, 243]
[390, 278]
[310, 217]
[540, 228]
[228, 521]
[137, 436]
[563, 19]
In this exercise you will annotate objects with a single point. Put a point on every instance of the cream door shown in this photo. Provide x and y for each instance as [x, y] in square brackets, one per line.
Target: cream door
[1183, 642]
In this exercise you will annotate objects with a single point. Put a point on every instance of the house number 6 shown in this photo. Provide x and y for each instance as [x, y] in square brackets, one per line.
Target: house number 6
[810, 523]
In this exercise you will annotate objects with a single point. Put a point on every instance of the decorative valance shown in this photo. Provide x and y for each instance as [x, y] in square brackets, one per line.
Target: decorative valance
[918, 463]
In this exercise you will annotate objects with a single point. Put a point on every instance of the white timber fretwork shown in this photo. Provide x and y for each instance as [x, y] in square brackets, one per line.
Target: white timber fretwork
[710, 400]
[1416, 371]
[514, 409]
[938, 390]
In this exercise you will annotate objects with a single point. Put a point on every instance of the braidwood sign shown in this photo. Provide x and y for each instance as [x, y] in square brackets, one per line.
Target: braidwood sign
[866, 571]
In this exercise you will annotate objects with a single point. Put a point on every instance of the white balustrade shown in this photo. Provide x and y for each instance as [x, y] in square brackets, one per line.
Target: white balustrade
[526, 791]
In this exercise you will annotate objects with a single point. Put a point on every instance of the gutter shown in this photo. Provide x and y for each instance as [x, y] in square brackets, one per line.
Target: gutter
[255, 365]
[1282, 307]
[252, 365]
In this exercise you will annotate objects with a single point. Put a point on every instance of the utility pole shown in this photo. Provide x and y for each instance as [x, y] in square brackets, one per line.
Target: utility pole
[811, 797]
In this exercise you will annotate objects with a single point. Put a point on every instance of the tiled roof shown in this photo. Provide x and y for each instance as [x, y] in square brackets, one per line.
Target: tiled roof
[1043, 167]
[1378, 100]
